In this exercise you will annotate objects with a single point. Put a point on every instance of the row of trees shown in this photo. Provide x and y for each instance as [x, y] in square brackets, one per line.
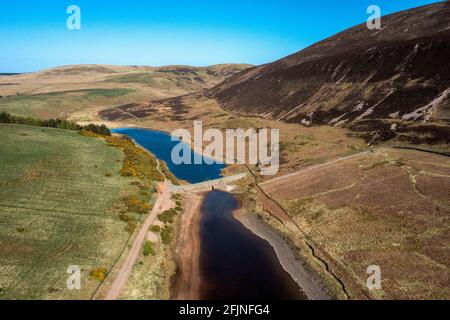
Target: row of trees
[6, 117]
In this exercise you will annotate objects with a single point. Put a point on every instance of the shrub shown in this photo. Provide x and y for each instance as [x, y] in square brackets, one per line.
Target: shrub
[148, 248]
[176, 196]
[52, 290]
[128, 169]
[137, 163]
[155, 229]
[167, 216]
[101, 130]
[131, 226]
[124, 217]
[166, 235]
[299, 206]
[168, 174]
[134, 204]
[98, 274]
[89, 134]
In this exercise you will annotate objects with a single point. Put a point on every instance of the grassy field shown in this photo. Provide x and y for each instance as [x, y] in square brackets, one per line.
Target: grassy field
[60, 104]
[61, 203]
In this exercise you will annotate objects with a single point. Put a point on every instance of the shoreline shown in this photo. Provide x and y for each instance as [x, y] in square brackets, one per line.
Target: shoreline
[173, 179]
[187, 281]
[308, 283]
[195, 148]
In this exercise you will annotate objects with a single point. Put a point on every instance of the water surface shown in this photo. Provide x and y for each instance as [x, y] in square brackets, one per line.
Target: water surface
[160, 144]
[235, 263]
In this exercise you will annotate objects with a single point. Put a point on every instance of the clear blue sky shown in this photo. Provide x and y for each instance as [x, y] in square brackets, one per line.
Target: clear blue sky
[33, 34]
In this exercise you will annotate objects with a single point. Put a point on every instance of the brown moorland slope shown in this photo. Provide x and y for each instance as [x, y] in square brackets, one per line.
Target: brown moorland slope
[399, 74]
[390, 208]
[78, 92]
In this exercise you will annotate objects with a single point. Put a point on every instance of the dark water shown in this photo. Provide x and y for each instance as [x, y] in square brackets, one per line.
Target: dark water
[235, 263]
[159, 143]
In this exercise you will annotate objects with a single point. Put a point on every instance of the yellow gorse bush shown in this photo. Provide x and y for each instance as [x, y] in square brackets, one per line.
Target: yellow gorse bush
[98, 274]
[137, 163]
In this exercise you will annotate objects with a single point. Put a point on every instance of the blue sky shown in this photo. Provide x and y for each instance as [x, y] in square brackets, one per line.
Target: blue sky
[33, 34]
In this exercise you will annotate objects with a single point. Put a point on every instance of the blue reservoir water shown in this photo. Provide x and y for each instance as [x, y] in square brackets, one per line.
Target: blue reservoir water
[160, 144]
[234, 263]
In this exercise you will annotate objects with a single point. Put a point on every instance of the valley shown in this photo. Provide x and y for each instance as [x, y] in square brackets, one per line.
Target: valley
[364, 175]
[71, 91]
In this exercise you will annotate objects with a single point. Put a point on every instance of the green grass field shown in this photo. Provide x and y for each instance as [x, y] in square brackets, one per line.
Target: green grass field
[61, 195]
[60, 104]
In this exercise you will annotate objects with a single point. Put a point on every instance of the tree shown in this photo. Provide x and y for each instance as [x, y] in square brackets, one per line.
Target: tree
[6, 117]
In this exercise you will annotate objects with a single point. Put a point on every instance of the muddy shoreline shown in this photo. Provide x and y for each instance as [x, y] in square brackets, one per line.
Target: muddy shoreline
[186, 282]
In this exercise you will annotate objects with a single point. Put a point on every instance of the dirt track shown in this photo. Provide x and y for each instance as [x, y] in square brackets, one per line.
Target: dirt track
[294, 174]
[120, 281]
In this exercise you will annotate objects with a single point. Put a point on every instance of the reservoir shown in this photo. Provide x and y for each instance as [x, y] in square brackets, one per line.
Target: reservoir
[160, 144]
[234, 262]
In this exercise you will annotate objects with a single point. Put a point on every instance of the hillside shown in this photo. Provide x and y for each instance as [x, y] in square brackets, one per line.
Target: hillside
[400, 73]
[61, 199]
[76, 91]
[388, 208]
